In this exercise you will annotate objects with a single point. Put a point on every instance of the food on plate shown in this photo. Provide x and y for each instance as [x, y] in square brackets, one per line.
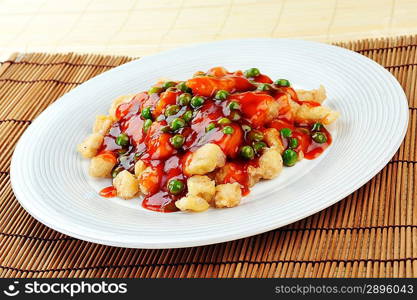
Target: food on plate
[200, 143]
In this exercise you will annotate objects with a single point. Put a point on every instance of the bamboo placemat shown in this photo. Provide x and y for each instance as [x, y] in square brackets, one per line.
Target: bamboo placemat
[371, 233]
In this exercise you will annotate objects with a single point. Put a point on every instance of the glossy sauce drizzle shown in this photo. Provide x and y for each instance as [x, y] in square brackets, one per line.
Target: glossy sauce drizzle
[164, 162]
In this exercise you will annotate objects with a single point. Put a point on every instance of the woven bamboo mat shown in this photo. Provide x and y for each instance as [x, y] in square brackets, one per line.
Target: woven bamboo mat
[371, 233]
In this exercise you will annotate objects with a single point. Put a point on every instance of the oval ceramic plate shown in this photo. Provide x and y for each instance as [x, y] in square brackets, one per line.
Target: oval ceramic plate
[51, 182]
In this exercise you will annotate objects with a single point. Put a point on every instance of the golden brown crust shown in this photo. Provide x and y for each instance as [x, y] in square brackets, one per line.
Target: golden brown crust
[126, 184]
[205, 160]
[228, 195]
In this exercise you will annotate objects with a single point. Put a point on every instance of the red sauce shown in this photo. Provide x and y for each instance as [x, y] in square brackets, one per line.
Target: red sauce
[302, 133]
[238, 172]
[207, 86]
[163, 171]
[255, 107]
[314, 149]
[261, 78]
[165, 162]
[108, 192]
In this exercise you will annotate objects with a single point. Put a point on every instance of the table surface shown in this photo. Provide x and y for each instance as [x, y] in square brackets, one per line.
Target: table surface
[141, 27]
[371, 233]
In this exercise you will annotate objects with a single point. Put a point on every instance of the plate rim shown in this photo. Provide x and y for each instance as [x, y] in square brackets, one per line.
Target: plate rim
[249, 231]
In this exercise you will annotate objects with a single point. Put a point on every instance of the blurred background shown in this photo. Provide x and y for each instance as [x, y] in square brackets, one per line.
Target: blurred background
[141, 27]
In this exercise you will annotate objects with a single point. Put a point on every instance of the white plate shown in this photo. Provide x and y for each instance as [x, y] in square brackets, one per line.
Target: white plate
[50, 179]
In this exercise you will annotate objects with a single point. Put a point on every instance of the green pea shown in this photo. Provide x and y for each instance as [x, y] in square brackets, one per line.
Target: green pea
[286, 132]
[182, 86]
[282, 82]
[197, 101]
[221, 95]
[175, 186]
[188, 116]
[252, 72]
[289, 157]
[235, 116]
[317, 126]
[199, 73]
[256, 136]
[184, 99]
[147, 125]
[172, 110]
[247, 152]
[155, 89]
[137, 156]
[210, 127]
[258, 146]
[319, 137]
[116, 171]
[177, 123]
[224, 121]
[293, 143]
[177, 140]
[122, 140]
[228, 130]
[264, 87]
[147, 113]
[168, 84]
[246, 128]
[166, 129]
[234, 105]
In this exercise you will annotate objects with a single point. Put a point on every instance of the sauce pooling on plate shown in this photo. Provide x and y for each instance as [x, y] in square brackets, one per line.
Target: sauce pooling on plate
[243, 113]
